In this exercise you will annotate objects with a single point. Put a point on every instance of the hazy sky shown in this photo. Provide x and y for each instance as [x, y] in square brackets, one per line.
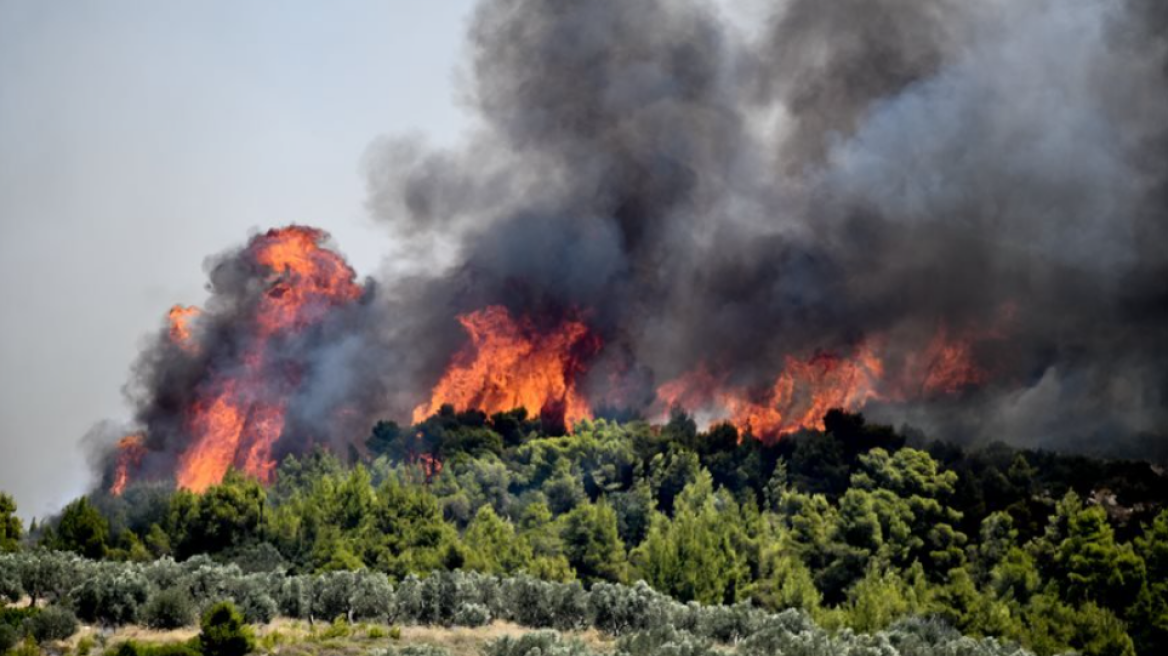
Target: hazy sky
[138, 137]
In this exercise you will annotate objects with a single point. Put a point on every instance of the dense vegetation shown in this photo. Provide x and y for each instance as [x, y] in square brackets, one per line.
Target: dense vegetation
[852, 527]
[647, 622]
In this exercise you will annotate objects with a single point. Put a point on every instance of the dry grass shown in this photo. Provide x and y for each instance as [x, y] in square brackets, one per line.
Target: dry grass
[463, 641]
[287, 637]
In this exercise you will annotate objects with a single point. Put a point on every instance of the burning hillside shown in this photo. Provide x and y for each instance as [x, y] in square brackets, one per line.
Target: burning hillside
[224, 376]
[937, 217]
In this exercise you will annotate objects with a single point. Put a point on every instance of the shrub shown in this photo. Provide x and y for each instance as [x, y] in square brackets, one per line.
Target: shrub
[53, 623]
[472, 615]
[338, 629]
[729, 623]
[224, 632]
[295, 598]
[169, 609]
[164, 573]
[209, 582]
[112, 597]
[49, 574]
[134, 648]
[8, 637]
[620, 609]
[85, 646]
[27, 647]
[417, 650]
[269, 642]
[331, 592]
[395, 633]
[16, 617]
[664, 640]
[255, 604]
[371, 597]
[543, 643]
[10, 587]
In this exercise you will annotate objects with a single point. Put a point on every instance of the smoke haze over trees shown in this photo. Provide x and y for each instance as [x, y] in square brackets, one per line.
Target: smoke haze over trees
[727, 197]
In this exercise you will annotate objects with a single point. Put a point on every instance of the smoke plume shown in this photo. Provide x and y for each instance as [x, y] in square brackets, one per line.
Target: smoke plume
[946, 214]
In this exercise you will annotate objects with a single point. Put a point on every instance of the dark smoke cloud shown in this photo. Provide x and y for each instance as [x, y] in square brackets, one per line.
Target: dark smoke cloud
[701, 195]
[855, 168]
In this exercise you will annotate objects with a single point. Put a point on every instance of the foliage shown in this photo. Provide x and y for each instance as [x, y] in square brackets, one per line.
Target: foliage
[135, 648]
[111, 596]
[81, 529]
[169, 609]
[52, 623]
[224, 632]
[9, 636]
[11, 529]
[466, 518]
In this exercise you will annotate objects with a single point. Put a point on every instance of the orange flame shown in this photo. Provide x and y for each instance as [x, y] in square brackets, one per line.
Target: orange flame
[238, 417]
[131, 450]
[509, 364]
[180, 319]
[799, 397]
[807, 388]
[948, 366]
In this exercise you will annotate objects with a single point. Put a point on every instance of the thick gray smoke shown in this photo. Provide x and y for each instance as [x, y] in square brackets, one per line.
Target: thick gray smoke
[707, 194]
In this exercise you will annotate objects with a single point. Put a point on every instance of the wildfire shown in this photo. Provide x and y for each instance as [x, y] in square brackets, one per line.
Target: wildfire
[799, 397]
[239, 416]
[509, 364]
[180, 319]
[131, 450]
[949, 366]
[807, 388]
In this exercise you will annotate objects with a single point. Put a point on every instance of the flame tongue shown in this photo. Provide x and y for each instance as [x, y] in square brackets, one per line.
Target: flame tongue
[509, 364]
[798, 398]
[807, 388]
[180, 319]
[131, 450]
[238, 417]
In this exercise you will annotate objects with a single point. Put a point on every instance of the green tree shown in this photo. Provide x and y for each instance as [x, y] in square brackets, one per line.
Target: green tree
[699, 555]
[224, 632]
[492, 545]
[82, 530]
[226, 516]
[11, 529]
[878, 599]
[1093, 566]
[592, 544]
[785, 582]
[407, 533]
[1149, 616]
[916, 478]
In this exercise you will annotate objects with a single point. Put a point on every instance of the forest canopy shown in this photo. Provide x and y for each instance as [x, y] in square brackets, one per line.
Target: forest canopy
[856, 525]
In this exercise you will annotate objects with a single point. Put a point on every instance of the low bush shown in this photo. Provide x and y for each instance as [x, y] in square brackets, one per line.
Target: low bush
[16, 617]
[135, 648]
[338, 629]
[53, 623]
[169, 609]
[543, 643]
[472, 615]
[9, 636]
[416, 650]
[114, 596]
[224, 632]
[664, 640]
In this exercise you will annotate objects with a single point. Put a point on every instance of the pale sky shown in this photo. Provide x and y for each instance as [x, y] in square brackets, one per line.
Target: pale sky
[137, 137]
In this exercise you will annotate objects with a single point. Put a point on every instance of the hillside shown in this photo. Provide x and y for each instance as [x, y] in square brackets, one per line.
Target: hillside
[849, 526]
